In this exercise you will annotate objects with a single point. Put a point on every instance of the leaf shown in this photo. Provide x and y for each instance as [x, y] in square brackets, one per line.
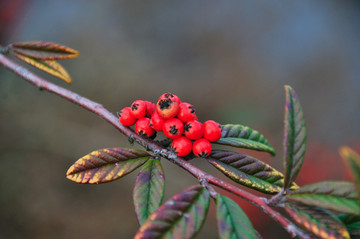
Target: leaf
[353, 161]
[49, 66]
[352, 224]
[106, 165]
[332, 195]
[294, 137]
[317, 221]
[149, 189]
[241, 136]
[180, 217]
[248, 171]
[43, 50]
[232, 221]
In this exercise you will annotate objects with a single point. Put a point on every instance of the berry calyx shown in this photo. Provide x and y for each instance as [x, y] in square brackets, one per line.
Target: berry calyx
[142, 128]
[194, 130]
[150, 107]
[167, 108]
[173, 128]
[138, 109]
[212, 130]
[156, 122]
[170, 96]
[186, 112]
[181, 146]
[202, 148]
[126, 118]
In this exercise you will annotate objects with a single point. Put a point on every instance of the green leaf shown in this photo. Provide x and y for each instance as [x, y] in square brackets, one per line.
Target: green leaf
[106, 165]
[317, 221]
[294, 137]
[353, 161]
[43, 50]
[232, 221]
[248, 171]
[180, 217]
[241, 136]
[352, 224]
[333, 195]
[49, 66]
[149, 189]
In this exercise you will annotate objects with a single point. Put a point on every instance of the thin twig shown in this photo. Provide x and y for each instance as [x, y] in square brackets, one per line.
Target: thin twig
[99, 110]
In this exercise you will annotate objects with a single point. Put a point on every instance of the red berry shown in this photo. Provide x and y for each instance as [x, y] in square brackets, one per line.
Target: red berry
[167, 108]
[156, 122]
[138, 109]
[150, 107]
[194, 130]
[142, 128]
[173, 128]
[186, 112]
[202, 148]
[170, 96]
[181, 146]
[212, 130]
[126, 118]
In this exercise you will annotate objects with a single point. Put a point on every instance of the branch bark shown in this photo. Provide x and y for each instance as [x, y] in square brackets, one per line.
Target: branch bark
[99, 110]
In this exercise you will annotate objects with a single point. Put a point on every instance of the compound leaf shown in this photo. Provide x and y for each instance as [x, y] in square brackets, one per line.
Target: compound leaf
[317, 221]
[149, 189]
[180, 217]
[241, 136]
[353, 161]
[49, 66]
[248, 171]
[43, 50]
[294, 137]
[352, 224]
[333, 195]
[106, 165]
[232, 221]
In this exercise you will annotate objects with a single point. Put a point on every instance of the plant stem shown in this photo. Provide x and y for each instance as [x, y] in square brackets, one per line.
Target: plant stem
[99, 110]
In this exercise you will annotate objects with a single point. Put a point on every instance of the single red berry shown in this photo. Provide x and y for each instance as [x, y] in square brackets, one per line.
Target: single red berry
[125, 117]
[167, 108]
[186, 112]
[150, 107]
[181, 146]
[156, 122]
[173, 128]
[202, 148]
[170, 96]
[138, 109]
[212, 130]
[142, 128]
[194, 130]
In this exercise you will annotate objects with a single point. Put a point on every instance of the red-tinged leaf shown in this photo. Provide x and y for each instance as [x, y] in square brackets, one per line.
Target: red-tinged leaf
[233, 223]
[317, 221]
[353, 161]
[332, 195]
[294, 137]
[352, 224]
[149, 189]
[49, 66]
[248, 171]
[106, 165]
[43, 50]
[180, 217]
[241, 136]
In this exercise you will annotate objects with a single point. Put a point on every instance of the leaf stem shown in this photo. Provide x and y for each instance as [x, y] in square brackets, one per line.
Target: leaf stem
[99, 110]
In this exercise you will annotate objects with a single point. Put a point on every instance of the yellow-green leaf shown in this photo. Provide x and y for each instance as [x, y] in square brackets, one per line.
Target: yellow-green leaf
[353, 161]
[106, 165]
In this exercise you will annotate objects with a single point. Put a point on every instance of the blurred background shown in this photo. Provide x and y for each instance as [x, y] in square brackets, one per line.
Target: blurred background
[228, 58]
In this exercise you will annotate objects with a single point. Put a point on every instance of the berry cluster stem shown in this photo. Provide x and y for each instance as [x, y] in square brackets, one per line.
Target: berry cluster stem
[99, 110]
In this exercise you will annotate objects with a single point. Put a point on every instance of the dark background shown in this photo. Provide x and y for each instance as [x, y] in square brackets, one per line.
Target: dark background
[228, 58]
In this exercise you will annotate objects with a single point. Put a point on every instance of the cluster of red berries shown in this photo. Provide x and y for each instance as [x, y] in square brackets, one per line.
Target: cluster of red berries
[177, 120]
